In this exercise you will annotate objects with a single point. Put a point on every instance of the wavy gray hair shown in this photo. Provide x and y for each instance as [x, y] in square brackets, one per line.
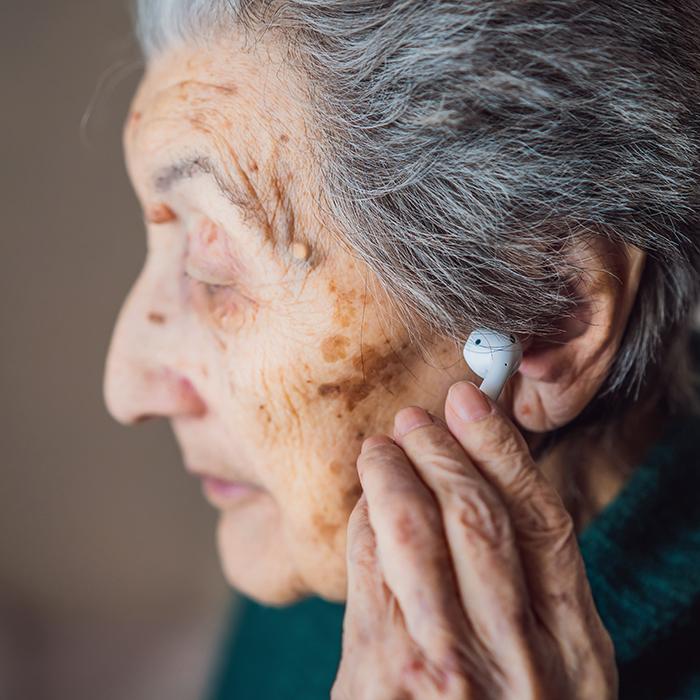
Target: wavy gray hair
[466, 143]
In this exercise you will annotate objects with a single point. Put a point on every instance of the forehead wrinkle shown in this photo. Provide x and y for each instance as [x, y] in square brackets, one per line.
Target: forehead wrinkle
[225, 90]
[189, 102]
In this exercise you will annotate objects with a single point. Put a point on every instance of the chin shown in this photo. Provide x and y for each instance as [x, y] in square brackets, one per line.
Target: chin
[257, 562]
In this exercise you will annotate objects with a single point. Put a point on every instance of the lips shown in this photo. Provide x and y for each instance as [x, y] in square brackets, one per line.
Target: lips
[226, 489]
[222, 492]
[222, 482]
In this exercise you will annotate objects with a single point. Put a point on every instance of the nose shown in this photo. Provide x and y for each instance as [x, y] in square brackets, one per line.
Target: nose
[144, 377]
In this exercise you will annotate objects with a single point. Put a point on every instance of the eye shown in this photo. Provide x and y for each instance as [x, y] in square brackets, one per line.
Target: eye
[206, 278]
[215, 269]
[214, 292]
[213, 289]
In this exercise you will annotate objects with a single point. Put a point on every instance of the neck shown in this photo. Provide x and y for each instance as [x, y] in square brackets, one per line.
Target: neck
[591, 465]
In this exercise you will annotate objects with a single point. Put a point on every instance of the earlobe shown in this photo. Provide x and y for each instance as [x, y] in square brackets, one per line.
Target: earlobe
[560, 374]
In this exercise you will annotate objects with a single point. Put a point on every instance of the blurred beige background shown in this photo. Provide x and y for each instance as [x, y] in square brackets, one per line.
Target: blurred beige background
[109, 583]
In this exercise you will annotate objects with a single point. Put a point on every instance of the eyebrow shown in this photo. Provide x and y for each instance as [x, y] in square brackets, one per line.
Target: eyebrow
[192, 166]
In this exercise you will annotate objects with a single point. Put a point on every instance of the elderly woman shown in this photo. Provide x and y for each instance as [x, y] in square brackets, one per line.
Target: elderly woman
[337, 192]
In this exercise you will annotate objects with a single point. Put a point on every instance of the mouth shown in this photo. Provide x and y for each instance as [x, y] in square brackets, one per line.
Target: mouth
[226, 489]
[219, 491]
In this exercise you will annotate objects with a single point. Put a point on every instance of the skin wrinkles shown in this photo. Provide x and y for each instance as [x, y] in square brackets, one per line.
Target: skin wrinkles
[265, 197]
[196, 112]
[280, 396]
[262, 330]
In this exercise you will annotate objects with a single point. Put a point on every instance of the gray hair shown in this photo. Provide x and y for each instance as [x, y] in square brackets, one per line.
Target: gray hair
[466, 144]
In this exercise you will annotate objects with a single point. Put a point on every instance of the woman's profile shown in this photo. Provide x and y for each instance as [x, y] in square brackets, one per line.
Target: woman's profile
[336, 194]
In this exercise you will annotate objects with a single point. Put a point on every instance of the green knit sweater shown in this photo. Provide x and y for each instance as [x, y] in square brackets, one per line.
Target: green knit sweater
[642, 555]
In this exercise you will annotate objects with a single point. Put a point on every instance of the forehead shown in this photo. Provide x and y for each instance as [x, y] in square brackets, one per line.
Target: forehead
[226, 104]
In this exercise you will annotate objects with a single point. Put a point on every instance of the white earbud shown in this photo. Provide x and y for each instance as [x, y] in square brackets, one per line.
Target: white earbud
[493, 356]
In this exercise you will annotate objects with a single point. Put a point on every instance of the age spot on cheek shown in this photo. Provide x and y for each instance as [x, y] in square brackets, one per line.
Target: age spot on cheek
[329, 389]
[334, 348]
[373, 369]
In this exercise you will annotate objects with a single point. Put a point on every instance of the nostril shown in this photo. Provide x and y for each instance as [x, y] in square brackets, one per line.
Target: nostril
[136, 394]
[191, 398]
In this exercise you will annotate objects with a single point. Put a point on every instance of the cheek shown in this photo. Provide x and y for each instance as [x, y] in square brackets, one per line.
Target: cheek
[374, 374]
[332, 395]
[307, 418]
[328, 524]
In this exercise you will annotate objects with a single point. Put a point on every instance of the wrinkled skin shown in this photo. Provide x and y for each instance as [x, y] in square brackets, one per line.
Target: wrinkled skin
[257, 334]
[251, 328]
[471, 583]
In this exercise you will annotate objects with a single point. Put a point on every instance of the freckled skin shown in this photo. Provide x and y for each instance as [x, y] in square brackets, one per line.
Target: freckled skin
[155, 317]
[287, 362]
[158, 213]
[334, 348]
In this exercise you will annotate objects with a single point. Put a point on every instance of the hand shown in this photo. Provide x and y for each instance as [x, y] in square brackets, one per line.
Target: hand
[465, 579]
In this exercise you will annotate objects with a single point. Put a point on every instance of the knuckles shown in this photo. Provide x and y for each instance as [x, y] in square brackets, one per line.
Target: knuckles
[495, 438]
[544, 521]
[481, 513]
[407, 674]
[361, 547]
[430, 441]
[413, 522]
[379, 457]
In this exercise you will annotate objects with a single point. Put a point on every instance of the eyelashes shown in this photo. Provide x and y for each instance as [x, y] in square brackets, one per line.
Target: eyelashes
[219, 276]
[205, 277]
[215, 290]
[222, 298]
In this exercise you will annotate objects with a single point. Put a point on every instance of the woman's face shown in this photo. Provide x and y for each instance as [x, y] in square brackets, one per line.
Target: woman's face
[251, 327]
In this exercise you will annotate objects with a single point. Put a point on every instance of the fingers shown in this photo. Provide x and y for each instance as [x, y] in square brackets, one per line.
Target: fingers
[499, 450]
[374, 634]
[411, 549]
[367, 595]
[462, 547]
[480, 538]
[545, 533]
[381, 658]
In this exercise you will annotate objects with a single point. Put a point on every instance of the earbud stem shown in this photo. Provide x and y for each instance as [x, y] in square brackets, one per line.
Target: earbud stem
[496, 379]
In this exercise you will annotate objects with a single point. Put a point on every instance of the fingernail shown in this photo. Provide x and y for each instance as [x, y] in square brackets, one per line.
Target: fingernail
[408, 419]
[468, 402]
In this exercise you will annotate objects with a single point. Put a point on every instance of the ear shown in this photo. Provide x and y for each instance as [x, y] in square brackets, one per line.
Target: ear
[560, 374]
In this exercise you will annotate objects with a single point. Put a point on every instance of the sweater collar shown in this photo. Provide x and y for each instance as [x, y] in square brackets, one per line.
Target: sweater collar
[642, 553]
